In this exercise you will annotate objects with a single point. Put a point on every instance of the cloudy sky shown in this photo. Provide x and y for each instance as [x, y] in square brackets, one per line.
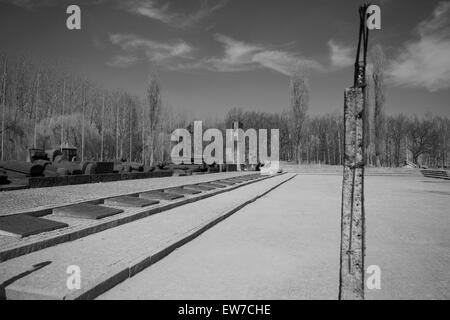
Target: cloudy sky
[217, 54]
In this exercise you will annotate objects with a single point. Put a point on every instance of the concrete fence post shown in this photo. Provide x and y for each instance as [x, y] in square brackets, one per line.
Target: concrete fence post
[351, 285]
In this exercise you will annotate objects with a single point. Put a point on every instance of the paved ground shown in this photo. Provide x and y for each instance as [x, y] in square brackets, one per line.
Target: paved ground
[337, 169]
[286, 246]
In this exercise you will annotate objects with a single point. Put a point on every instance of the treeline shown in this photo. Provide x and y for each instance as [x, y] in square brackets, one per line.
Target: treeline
[389, 140]
[423, 141]
[44, 105]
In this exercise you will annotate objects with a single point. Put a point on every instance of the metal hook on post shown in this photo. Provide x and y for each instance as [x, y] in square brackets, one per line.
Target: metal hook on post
[363, 42]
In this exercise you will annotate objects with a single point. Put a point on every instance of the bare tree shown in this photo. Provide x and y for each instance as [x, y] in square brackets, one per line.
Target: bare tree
[3, 109]
[154, 112]
[36, 106]
[397, 132]
[379, 63]
[143, 134]
[102, 128]
[83, 119]
[299, 93]
[368, 117]
[421, 136]
[63, 98]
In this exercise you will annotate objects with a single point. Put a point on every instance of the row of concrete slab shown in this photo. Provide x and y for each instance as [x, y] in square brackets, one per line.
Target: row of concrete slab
[106, 258]
[24, 225]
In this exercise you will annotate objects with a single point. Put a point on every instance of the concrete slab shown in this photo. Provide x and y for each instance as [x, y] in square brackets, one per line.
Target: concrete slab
[227, 182]
[160, 195]
[234, 180]
[249, 177]
[199, 187]
[239, 179]
[216, 184]
[22, 225]
[128, 201]
[208, 185]
[246, 177]
[86, 211]
[182, 191]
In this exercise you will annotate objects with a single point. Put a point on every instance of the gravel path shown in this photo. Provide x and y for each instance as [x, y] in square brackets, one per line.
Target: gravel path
[41, 198]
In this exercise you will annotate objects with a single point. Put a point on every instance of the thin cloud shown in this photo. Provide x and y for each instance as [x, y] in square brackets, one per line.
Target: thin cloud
[122, 61]
[242, 56]
[341, 56]
[425, 63]
[156, 52]
[149, 10]
[162, 13]
[238, 55]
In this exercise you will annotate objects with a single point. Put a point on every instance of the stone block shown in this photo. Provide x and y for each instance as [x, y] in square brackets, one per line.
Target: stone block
[181, 190]
[85, 211]
[227, 182]
[217, 184]
[22, 225]
[197, 187]
[127, 201]
[160, 195]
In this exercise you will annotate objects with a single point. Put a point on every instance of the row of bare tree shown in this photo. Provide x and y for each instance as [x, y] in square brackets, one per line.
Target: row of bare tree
[44, 106]
[423, 141]
[389, 140]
